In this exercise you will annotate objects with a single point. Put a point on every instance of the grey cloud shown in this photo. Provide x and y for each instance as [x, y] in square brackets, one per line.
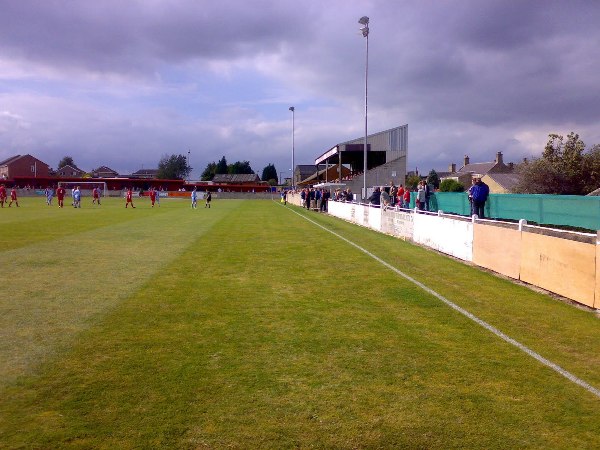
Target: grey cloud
[495, 62]
[128, 37]
[467, 76]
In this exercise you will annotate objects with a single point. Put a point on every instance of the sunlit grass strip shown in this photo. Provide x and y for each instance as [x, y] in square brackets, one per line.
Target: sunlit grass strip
[64, 270]
[474, 318]
[266, 332]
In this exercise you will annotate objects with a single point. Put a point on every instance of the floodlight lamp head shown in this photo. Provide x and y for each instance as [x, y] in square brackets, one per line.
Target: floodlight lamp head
[292, 108]
[364, 20]
[365, 31]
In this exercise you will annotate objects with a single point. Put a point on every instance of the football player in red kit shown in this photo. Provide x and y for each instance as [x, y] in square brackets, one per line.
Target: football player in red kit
[152, 196]
[60, 195]
[96, 196]
[13, 197]
[2, 195]
[129, 198]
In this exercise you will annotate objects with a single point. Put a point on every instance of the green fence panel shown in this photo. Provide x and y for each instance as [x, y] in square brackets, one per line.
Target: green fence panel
[571, 210]
[451, 202]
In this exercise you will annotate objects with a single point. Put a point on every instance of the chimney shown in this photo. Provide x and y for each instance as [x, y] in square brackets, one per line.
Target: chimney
[466, 160]
[524, 160]
[499, 158]
[452, 168]
[511, 166]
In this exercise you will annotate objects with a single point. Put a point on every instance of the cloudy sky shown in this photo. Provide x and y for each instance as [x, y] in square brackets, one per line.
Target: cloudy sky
[121, 83]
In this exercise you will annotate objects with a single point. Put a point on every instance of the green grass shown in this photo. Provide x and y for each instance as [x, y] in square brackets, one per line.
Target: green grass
[247, 326]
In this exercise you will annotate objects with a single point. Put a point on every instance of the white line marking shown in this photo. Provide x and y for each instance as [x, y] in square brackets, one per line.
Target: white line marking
[568, 375]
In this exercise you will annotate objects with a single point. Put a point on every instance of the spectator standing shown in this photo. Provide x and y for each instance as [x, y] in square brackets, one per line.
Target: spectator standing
[406, 202]
[385, 199]
[393, 193]
[480, 194]
[421, 196]
[318, 199]
[310, 197]
[427, 194]
[325, 200]
[470, 194]
[375, 198]
[400, 197]
[349, 195]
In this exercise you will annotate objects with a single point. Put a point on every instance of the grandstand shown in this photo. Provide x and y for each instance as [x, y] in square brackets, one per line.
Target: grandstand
[386, 159]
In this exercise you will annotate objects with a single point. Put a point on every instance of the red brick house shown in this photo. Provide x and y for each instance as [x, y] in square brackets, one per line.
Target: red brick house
[69, 171]
[23, 166]
[145, 173]
[104, 172]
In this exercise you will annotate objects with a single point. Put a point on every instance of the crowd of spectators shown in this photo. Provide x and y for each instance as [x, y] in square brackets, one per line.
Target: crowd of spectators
[391, 196]
[315, 199]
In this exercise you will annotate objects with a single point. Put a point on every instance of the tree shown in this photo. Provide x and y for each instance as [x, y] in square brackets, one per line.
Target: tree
[433, 179]
[240, 167]
[412, 181]
[173, 167]
[450, 185]
[66, 161]
[221, 166]
[209, 172]
[564, 168]
[538, 176]
[592, 169]
[269, 173]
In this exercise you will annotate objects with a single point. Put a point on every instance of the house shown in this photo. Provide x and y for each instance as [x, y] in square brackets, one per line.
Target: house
[104, 172]
[145, 173]
[501, 183]
[70, 171]
[236, 178]
[329, 174]
[470, 170]
[23, 166]
[302, 172]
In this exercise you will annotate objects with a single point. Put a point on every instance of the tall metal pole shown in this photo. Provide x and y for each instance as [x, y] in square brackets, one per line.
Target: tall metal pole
[292, 109]
[365, 32]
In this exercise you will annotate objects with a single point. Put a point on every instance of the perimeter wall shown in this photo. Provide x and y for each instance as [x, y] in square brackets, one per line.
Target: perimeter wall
[566, 263]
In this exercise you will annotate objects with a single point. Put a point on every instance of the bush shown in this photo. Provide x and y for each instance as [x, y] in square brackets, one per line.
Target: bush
[451, 186]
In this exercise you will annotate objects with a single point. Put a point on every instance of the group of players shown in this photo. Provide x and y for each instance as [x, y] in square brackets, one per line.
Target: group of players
[96, 195]
[3, 197]
[75, 195]
[207, 198]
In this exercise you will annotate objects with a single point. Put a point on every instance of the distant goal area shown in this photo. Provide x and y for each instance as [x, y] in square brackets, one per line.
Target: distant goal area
[85, 186]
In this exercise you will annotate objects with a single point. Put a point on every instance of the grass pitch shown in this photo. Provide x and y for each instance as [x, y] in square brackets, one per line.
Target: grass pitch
[247, 326]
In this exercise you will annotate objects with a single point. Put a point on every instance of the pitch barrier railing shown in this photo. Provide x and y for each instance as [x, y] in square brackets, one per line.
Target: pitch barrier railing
[564, 262]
